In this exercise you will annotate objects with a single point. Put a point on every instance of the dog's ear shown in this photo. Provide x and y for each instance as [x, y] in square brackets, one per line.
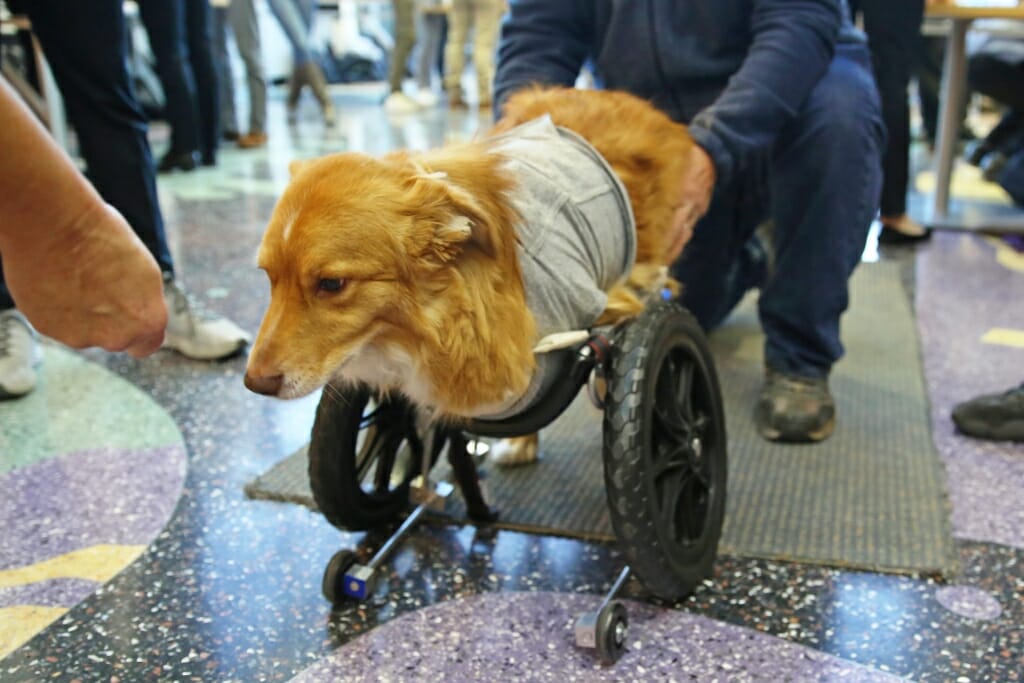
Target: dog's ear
[296, 166]
[468, 223]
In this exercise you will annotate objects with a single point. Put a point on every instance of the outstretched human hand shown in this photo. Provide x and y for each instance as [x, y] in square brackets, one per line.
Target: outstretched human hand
[695, 192]
[92, 283]
[73, 265]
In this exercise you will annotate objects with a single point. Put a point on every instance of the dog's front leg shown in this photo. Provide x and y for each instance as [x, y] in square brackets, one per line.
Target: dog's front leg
[515, 451]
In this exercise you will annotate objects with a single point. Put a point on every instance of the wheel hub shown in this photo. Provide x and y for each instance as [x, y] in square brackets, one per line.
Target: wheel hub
[620, 633]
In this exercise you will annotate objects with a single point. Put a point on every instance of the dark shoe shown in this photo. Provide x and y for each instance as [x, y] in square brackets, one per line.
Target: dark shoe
[889, 235]
[992, 165]
[209, 159]
[902, 229]
[230, 135]
[795, 409]
[976, 150]
[185, 161]
[999, 417]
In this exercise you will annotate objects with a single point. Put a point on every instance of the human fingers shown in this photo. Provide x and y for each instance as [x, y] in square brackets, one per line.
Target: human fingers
[684, 220]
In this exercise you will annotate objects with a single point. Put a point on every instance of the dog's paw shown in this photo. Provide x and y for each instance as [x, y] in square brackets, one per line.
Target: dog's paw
[520, 450]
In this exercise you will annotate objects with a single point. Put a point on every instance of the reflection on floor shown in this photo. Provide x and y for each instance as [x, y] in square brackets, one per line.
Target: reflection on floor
[230, 589]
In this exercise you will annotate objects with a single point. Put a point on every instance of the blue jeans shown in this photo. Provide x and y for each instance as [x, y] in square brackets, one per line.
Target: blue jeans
[820, 185]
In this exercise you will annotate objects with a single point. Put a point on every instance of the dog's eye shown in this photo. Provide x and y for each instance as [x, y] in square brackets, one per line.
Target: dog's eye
[330, 285]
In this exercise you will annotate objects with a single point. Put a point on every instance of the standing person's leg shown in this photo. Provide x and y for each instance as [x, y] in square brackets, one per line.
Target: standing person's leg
[307, 10]
[84, 44]
[455, 51]
[486, 25]
[825, 183]
[225, 80]
[297, 17]
[929, 52]
[430, 44]
[892, 28]
[405, 40]
[245, 25]
[165, 26]
[290, 19]
[200, 51]
[397, 102]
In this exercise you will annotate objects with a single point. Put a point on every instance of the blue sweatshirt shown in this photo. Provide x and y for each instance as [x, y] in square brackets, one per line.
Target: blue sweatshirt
[735, 71]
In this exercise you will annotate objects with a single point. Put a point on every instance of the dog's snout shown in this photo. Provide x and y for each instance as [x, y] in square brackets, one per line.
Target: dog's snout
[268, 386]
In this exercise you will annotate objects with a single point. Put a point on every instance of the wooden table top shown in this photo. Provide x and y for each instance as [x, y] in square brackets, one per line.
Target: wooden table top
[953, 9]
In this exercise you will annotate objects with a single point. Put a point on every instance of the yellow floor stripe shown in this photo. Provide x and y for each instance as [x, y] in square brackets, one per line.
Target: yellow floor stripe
[97, 563]
[967, 183]
[21, 622]
[1004, 337]
[1010, 258]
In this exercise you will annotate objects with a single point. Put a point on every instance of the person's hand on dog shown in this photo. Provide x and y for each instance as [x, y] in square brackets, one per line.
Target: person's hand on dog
[694, 198]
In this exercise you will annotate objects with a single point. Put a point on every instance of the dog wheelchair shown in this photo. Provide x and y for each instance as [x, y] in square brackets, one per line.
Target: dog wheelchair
[664, 456]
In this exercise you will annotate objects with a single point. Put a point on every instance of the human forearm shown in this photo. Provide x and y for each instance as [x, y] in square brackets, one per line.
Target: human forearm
[794, 41]
[44, 195]
[72, 263]
[542, 42]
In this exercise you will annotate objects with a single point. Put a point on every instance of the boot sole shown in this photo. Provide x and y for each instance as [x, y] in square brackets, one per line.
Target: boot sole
[798, 436]
[1008, 431]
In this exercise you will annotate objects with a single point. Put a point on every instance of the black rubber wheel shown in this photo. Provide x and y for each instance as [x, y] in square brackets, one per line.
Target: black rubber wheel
[362, 456]
[334, 575]
[665, 460]
[612, 628]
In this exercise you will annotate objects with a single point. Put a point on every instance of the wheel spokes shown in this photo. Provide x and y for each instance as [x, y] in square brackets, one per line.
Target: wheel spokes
[666, 401]
[367, 455]
[684, 392]
[673, 396]
[385, 431]
[682, 497]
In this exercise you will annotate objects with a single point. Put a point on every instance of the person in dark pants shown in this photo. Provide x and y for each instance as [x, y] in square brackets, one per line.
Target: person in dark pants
[893, 28]
[85, 45]
[181, 36]
[996, 69]
[778, 96]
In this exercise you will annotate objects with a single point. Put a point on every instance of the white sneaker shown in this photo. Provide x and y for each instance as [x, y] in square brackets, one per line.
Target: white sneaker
[400, 103]
[19, 355]
[425, 97]
[197, 333]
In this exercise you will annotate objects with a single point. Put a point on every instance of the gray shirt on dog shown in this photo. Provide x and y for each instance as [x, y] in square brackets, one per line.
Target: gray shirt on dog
[577, 235]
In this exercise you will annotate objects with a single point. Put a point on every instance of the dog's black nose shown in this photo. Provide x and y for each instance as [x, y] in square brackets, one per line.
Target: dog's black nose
[268, 386]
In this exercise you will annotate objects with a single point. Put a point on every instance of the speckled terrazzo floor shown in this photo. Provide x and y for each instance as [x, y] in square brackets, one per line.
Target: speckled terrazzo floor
[229, 590]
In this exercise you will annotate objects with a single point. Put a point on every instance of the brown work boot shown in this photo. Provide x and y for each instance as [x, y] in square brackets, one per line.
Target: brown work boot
[795, 409]
[252, 140]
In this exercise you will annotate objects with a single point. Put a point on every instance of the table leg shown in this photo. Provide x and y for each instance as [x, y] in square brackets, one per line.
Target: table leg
[954, 84]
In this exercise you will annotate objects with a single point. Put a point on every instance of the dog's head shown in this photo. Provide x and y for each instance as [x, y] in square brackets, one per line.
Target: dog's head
[359, 252]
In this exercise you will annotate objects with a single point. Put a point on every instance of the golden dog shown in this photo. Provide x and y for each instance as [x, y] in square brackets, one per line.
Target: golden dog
[404, 272]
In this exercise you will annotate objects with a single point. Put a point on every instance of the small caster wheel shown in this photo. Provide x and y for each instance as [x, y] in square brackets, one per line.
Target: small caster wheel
[334, 575]
[612, 628]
